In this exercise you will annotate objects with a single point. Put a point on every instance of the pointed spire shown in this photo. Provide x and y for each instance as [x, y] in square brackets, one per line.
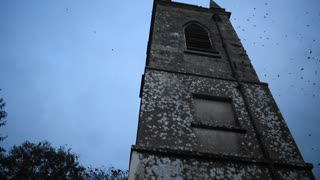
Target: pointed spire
[214, 4]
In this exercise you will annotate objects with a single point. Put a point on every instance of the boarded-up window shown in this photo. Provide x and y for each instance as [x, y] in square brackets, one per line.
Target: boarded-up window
[197, 38]
[215, 125]
[218, 141]
[214, 112]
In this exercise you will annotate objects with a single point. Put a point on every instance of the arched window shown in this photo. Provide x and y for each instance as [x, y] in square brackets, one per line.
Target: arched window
[197, 38]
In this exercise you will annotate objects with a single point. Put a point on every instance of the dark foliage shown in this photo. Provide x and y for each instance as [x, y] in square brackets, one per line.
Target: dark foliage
[42, 161]
[3, 115]
[112, 174]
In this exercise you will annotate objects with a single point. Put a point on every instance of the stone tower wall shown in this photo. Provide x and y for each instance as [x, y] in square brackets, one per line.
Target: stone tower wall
[175, 140]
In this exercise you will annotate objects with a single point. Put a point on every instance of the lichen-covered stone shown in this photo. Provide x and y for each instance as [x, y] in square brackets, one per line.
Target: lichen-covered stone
[175, 139]
[167, 112]
[275, 133]
[168, 45]
[163, 168]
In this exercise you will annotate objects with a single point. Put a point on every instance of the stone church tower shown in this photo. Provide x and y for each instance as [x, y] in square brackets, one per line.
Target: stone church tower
[204, 113]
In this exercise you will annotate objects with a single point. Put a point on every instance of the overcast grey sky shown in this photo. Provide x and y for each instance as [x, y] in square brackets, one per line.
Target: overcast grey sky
[70, 70]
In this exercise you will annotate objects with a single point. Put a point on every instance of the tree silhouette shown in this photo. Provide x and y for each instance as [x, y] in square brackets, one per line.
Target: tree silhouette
[3, 115]
[42, 161]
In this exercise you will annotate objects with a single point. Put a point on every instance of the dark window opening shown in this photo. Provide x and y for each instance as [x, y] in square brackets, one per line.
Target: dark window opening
[197, 38]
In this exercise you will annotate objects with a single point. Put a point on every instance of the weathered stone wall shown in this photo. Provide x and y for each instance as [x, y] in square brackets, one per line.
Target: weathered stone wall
[275, 133]
[168, 45]
[165, 124]
[251, 142]
[167, 114]
[161, 167]
[155, 167]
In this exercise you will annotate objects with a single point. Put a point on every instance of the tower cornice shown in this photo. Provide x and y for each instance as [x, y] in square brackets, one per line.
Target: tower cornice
[214, 8]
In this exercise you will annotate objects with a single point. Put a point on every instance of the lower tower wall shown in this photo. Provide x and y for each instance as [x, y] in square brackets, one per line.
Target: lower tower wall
[163, 167]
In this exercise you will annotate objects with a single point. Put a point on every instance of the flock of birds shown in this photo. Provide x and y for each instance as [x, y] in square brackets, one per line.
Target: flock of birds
[302, 67]
[308, 58]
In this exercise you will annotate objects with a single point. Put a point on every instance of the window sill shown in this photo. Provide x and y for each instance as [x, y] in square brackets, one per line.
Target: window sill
[214, 54]
[218, 127]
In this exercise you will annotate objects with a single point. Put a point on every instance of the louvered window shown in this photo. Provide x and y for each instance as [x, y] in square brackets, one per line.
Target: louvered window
[197, 38]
